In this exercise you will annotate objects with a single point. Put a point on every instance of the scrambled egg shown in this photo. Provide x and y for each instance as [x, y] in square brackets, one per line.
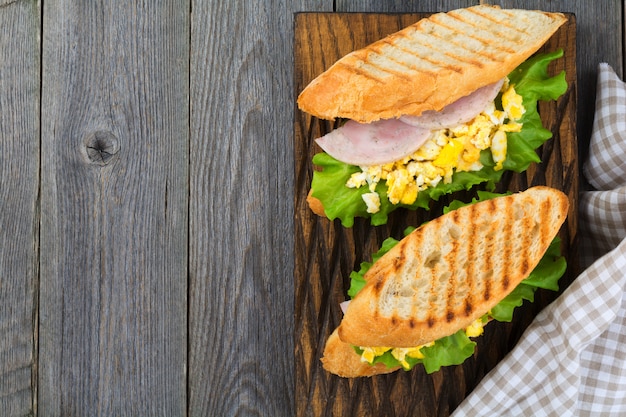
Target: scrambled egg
[400, 354]
[446, 151]
[475, 329]
[369, 354]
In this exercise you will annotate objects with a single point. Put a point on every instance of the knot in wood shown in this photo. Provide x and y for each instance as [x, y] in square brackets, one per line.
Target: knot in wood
[101, 147]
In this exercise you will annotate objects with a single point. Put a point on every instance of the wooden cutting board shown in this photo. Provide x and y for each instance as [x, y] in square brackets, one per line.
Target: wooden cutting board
[326, 252]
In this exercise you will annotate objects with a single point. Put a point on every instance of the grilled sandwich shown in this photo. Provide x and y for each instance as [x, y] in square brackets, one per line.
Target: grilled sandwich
[446, 276]
[424, 106]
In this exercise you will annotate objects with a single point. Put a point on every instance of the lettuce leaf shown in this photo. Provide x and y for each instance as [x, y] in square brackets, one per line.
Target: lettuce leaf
[449, 350]
[531, 81]
[456, 348]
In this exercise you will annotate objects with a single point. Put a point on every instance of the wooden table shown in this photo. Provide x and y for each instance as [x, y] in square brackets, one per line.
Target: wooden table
[146, 183]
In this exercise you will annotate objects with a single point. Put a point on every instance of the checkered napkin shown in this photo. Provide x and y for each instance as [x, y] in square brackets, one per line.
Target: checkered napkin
[571, 361]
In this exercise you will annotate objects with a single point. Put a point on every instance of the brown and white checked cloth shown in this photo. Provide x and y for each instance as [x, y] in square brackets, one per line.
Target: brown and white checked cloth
[571, 361]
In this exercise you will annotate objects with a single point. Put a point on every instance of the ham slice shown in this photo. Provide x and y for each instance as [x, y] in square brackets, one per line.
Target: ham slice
[461, 111]
[344, 306]
[389, 140]
[374, 143]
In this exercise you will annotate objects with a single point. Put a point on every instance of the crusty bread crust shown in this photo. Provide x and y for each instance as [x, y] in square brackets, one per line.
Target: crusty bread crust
[454, 269]
[429, 64]
[341, 359]
[315, 204]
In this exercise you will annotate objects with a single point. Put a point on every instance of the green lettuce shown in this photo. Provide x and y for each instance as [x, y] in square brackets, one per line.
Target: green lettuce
[456, 348]
[531, 81]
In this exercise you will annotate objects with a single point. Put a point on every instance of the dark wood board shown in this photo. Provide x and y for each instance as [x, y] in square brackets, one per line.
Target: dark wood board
[326, 253]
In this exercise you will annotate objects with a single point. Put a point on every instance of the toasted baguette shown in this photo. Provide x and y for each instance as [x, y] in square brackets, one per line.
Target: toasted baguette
[341, 359]
[429, 64]
[454, 269]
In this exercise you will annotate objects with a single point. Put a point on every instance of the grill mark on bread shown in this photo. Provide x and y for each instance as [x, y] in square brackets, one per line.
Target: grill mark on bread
[359, 71]
[512, 35]
[488, 267]
[528, 224]
[524, 269]
[417, 242]
[399, 261]
[452, 260]
[500, 22]
[442, 64]
[445, 47]
[487, 42]
[414, 59]
[431, 263]
[449, 316]
[461, 62]
[374, 58]
[436, 265]
[476, 58]
[492, 209]
[396, 73]
[546, 208]
[487, 292]
[472, 61]
[471, 256]
[506, 250]
[513, 32]
[378, 283]
[468, 308]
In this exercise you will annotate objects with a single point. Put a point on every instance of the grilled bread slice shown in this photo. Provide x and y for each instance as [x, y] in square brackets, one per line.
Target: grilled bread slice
[429, 64]
[452, 270]
[341, 359]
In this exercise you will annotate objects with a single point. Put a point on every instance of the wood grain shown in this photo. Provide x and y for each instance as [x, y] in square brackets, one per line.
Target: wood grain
[106, 148]
[401, 6]
[115, 137]
[326, 252]
[241, 234]
[19, 193]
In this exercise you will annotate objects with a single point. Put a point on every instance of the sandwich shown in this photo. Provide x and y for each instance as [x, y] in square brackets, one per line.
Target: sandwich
[424, 298]
[438, 107]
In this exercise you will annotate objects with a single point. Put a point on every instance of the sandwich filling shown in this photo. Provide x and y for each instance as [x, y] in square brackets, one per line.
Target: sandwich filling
[447, 150]
[408, 357]
[504, 136]
[403, 355]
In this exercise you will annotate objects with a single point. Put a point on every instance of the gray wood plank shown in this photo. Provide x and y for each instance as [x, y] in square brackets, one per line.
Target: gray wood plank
[19, 193]
[400, 6]
[241, 209]
[114, 225]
